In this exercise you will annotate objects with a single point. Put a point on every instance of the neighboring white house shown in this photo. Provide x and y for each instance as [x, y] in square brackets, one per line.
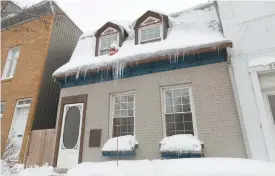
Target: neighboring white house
[251, 27]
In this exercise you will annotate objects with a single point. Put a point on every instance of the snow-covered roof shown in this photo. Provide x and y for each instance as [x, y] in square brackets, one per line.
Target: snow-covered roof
[181, 143]
[189, 31]
[125, 143]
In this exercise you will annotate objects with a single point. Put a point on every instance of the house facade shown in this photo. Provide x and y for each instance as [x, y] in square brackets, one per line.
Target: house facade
[34, 44]
[158, 76]
[253, 57]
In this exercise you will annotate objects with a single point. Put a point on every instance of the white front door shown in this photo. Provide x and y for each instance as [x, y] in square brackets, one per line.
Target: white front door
[69, 144]
[17, 129]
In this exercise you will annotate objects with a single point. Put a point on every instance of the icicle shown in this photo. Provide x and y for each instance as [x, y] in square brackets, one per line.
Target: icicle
[77, 74]
[118, 70]
[85, 73]
[66, 77]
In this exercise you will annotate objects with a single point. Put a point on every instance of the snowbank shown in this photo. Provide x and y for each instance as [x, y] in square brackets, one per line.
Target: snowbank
[181, 143]
[125, 168]
[125, 143]
[189, 31]
[176, 167]
[38, 171]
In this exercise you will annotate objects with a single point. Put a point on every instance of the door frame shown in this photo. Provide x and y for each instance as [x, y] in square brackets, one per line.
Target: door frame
[70, 100]
[17, 106]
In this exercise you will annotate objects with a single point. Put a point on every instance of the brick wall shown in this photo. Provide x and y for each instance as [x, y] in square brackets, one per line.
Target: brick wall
[215, 111]
[33, 37]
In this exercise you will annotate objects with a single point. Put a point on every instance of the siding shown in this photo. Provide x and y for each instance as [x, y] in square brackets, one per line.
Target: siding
[63, 41]
[215, 111]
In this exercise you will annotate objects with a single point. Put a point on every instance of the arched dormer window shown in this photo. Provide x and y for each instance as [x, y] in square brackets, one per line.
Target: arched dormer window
[109, 36]
[151, 27]
[150, 30]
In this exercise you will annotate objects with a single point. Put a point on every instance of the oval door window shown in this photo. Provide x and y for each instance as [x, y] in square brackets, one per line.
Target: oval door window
[71, 127]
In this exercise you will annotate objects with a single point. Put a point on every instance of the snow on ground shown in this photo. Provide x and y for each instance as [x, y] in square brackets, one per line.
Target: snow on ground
[181, 143]
[172, 167]
[125, 143]
[189, 30]
[38, 171]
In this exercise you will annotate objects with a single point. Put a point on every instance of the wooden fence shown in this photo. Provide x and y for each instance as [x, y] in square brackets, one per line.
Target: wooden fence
[40, 148]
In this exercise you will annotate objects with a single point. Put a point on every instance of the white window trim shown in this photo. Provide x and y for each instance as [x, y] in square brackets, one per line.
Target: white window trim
[112, 103]
[192, 107]
[150, 26]
[100, 38]
[4, 73]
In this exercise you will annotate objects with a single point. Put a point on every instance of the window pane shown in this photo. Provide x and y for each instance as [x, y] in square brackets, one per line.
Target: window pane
[168, 101]
[169, 109]
[177, 93]
[117, 106]
[185, 99]
[117, 99]
[124, 99]
[131, 120]
[179, 126]
[9, 67]
[71, 127]
[117, 114]
[170, 126]
[131, 106]
[124, 113]
[2, 107]
[131, 129]
[168, 93]
[180, 132]
[124, 121]
[271, 99]
[131, 98]
[186, 108]
[130, 113]
[170, 118]
[179, 118]
[123, 106]
[178, 108]
[188, 125]
[116, 121]
[124, 129]
[177, 100]
[188, 117]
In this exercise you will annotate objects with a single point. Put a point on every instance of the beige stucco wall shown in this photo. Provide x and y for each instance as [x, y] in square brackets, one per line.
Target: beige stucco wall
[215, 110]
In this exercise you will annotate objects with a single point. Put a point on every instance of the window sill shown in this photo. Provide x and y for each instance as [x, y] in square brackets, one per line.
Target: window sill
[6, 80]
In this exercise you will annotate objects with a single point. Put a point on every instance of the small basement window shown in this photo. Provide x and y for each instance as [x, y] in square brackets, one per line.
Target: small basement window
[150, 33]
[105, 42]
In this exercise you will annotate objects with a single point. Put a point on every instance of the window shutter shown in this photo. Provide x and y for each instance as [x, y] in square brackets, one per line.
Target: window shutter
[95, 138]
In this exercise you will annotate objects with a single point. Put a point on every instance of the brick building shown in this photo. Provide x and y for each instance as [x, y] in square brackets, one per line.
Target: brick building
[159, 76]
[35, 41]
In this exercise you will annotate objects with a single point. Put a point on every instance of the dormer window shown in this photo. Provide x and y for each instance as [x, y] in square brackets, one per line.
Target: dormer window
[105, 42]
[150, 33]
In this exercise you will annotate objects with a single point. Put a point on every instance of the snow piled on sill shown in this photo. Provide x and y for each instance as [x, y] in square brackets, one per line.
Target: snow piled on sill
[181, 143]
[125, 143]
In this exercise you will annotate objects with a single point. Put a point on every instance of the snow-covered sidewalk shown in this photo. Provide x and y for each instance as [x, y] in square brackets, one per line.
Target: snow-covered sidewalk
[175, 167]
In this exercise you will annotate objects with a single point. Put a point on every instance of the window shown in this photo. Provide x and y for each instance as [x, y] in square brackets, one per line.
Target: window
[105, 42]
[150, 33]
[11, 62]
[178, 115]
[2, 109]
[123, 112]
